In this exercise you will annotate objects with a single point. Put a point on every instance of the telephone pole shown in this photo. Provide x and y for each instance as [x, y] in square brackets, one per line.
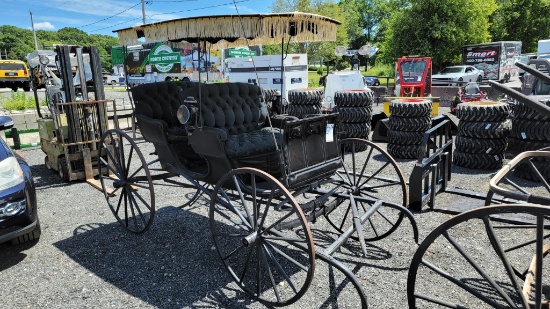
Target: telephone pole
[33, 33]
[143, 11]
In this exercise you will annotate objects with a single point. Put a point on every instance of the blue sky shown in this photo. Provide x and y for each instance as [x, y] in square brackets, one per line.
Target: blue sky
[103, 16]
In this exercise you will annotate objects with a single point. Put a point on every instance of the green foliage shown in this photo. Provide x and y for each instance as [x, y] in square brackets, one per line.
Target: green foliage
[437, 29]
[19, 42]
[324, 50]
[320, 71]
[18, 101]
[381, 70]
[528, 24]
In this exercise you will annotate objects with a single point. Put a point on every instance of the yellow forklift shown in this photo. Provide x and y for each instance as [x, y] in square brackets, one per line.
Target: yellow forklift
[69, 136]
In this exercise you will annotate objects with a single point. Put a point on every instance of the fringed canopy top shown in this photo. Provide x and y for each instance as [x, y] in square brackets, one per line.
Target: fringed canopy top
[225, 31]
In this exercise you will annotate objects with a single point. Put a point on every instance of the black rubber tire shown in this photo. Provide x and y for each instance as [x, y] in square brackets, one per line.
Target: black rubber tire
[269, 94]
[405, 137]
[479, 79]
[476, 129]
[531, 129]
[404, 151]
[518, 145]
[480, 161]
[418, 124]
[46, 163]
[524, 171]
[480, 145]
[32, 235]
[27, 87]
[411, 107]
[353, 98]
[302, 110]
[305, 96]
[354, 114]
[483, 111]
[525, 112]
[355, 130]
[63, 170]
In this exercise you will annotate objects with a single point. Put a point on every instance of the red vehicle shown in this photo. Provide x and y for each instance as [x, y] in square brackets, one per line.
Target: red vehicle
[468, 93]
[413, 77]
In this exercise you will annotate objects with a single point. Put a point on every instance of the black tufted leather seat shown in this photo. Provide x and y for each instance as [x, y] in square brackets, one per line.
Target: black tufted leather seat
[235, 108]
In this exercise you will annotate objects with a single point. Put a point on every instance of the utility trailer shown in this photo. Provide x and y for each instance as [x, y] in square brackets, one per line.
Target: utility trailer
[495, 59]
[77, 118]
[281, 72]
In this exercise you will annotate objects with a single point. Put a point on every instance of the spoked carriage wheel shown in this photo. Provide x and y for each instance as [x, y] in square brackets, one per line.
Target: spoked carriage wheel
[371, 174]
[126, 181]
[248, 212]
[490, 257]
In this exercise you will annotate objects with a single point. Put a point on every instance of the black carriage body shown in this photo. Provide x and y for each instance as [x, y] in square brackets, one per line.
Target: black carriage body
[232, 129]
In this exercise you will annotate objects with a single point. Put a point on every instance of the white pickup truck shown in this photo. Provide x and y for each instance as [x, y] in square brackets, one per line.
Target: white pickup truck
[115, 79]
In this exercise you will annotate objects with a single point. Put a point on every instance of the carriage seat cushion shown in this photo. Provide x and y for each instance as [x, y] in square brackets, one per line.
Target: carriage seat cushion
[253, 143]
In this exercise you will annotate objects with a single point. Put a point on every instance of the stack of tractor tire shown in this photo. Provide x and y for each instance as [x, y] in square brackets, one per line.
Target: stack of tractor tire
[270, 97]
[530, 131]
[303, 102]
[483, 129]
[409, 119]
[355, 111]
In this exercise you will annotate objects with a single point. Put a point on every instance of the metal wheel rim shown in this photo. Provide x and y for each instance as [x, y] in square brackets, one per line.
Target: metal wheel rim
[269, 249]
[541, 212]
[129, 199]
[370, 224]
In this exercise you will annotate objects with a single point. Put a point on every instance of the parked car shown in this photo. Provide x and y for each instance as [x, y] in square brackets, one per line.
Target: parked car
[14, 74]
[371, 81]
[457, 73]
[18, 207]
[114, 79]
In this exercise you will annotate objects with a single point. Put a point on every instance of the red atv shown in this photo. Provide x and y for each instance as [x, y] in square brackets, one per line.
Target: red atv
[468, 93]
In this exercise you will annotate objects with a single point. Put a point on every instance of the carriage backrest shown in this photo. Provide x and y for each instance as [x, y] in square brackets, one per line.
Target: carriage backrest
[159, 100]
[233, 107]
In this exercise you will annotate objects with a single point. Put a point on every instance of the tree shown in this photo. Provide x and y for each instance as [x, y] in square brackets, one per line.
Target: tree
[319, 50]
[437, 28]
[528, 24]
[16, 42]
[73, 36]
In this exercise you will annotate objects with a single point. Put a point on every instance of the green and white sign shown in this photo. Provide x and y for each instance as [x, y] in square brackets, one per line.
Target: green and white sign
[241, 52]
[163, 58]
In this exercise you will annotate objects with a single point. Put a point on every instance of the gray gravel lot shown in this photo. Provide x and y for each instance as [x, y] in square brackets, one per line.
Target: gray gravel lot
[84, 259]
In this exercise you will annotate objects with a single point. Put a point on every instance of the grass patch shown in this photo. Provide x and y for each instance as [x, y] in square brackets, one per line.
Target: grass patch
[18, 101]
[313, 78]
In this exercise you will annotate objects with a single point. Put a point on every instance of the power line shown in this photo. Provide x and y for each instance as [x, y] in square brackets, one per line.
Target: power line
[133, 6]
[189, 10]
[121, 23]
[203, 8]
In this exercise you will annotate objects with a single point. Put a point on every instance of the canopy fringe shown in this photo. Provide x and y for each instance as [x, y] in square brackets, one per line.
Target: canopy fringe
[233, 30]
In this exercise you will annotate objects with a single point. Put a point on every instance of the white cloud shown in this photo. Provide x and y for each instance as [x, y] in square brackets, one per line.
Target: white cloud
[44, 26]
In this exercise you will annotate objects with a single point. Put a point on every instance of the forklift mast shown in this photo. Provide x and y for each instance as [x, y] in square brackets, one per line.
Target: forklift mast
[76, 99]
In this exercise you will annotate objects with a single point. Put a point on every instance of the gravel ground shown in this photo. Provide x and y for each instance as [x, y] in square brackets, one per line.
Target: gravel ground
[84, 259]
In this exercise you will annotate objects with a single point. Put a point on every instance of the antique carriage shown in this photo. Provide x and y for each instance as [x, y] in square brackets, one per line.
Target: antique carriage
[267, 176]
